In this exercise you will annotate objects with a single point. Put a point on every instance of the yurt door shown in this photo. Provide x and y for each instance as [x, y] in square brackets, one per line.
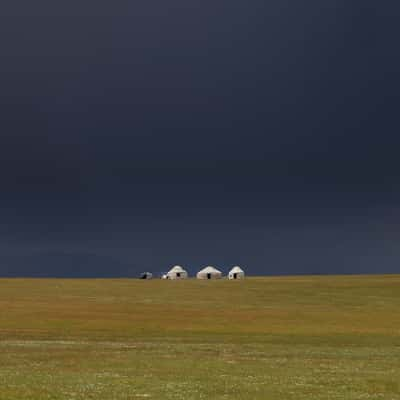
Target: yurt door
[178, 274]
[235, 275]
[208, 276]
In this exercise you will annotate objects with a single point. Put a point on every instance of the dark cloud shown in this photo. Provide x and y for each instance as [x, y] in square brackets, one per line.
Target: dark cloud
[139, 134]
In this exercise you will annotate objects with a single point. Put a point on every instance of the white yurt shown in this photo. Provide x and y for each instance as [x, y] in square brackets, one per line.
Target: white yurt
[146, 275]
[177, 272]
[209, 273]
[236, 273]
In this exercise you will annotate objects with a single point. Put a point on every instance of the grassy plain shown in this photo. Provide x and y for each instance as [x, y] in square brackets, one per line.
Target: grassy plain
[287, 338]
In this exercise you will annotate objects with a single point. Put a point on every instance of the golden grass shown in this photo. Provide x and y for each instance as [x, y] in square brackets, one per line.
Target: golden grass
[320, 337]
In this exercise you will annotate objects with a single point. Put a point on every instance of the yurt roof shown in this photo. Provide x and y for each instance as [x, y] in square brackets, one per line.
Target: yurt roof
[236, 270]
[177, 268]
[210, 270]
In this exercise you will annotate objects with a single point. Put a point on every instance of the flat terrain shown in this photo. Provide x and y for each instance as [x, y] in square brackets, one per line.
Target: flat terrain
[319, 337]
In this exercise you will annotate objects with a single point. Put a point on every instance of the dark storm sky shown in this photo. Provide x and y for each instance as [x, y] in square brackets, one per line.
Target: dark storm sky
[140, 134]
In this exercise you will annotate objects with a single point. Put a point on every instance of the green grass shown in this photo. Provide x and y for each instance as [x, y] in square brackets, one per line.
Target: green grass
[320, 337]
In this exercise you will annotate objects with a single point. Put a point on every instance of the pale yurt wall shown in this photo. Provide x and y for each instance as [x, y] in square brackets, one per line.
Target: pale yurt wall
[177, 272]
[209, 273]
[236, 273]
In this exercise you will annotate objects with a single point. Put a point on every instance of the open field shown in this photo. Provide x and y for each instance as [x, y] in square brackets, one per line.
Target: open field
[319, 337]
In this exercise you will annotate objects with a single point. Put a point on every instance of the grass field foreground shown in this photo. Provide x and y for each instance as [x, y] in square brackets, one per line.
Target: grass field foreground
[309, 337]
